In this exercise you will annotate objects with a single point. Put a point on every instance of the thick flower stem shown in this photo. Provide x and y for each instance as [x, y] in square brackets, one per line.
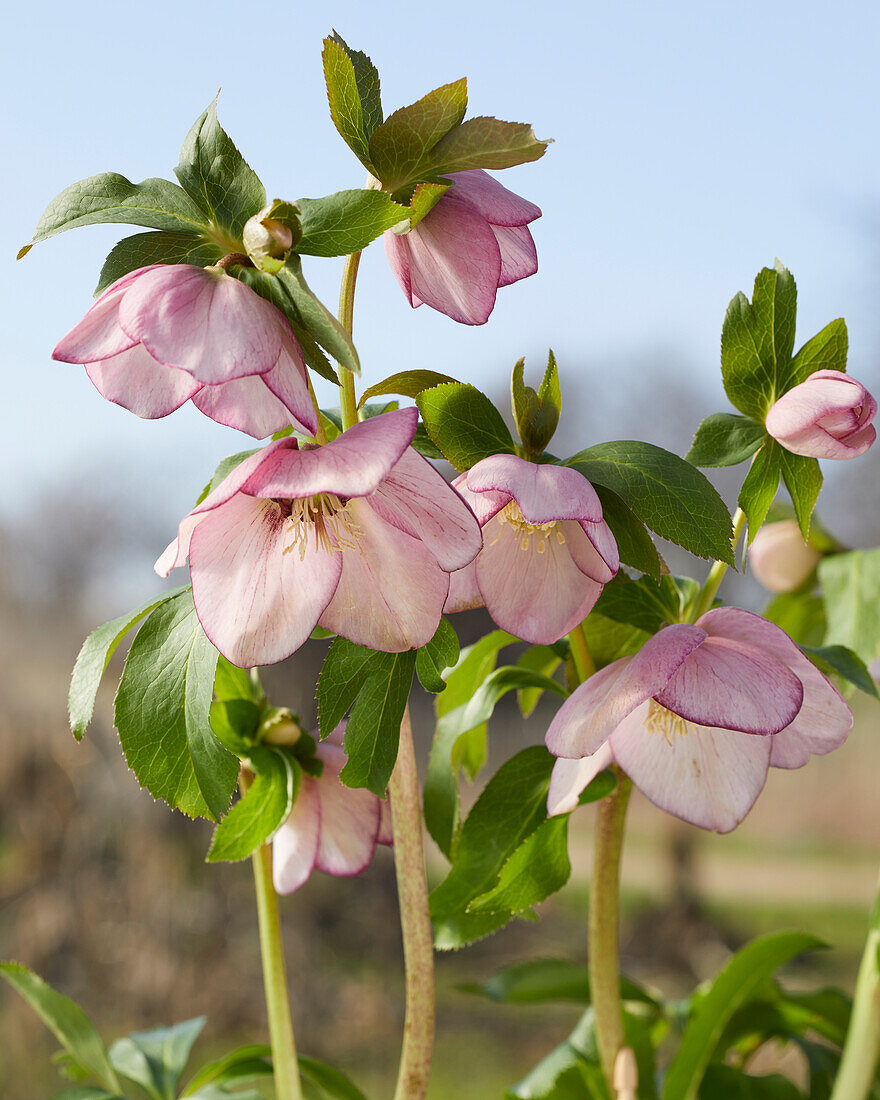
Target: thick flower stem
[415, 923]
[718, 570]
[860, 1053]
[346, 319]
[580, 654]
[604, 897]
[284, 1061]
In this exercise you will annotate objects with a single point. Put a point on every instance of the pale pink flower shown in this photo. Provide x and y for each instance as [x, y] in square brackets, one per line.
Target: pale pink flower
[780, 558]
[827, 416]
[473, 242]
[358, 536]
[697, 717]
[331, 828]
[546, 553]
[165, 334]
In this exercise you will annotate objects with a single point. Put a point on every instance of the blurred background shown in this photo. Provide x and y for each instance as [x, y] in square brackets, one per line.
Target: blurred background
[692, 145]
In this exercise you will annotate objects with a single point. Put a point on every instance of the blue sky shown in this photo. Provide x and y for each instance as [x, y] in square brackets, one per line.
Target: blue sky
[693, 143]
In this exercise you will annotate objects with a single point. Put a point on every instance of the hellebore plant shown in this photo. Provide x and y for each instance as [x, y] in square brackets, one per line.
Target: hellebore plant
[341, 527]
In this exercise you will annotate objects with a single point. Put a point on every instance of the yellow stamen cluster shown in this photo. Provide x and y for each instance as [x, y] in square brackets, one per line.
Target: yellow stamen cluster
[511, 515]
[327, 517]
[665, 722]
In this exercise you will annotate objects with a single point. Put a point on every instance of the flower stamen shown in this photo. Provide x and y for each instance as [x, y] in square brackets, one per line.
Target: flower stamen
[666, 722]
[511, 515]
[327, 517]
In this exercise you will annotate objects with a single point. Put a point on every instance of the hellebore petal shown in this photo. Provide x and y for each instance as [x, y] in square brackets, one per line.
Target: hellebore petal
[246, 404]
[464, 592]
[256, 601]
[99, 335]
[203, 321]
[592, 548]
[592, 712]
[710, 777]
[491, 199]
[386, 834]
[391, 591]
[827, 416]
[519, 257]
[484, 505]
[350, 819]
[134, 380]
[570, 778]
[416, 499]
[295, 845]
[543, 493]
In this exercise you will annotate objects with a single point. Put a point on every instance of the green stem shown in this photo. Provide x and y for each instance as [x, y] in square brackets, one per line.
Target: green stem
[347, 399]
[284, 1061]
[719, 568]
[580, 654]
[860, 1053]
[415, 923]
[603, 960]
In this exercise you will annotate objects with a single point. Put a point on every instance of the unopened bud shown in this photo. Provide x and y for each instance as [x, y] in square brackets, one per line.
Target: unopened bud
[279, 727]
[269, 235]
[779, 557]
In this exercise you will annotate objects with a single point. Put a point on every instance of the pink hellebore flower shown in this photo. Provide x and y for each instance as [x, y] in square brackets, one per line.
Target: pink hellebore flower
[827, 416]
[697, 717]
[473, 242]
[359, 535]
[165, 334]
[546, 553]
[331, 828]
[780, 558]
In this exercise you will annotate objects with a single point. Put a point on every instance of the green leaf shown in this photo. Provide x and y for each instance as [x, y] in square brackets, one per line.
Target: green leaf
[538, 981]
[643, 603]
[333, 1084]
[224, 468]
[537, 868]
[353, 94]
[236, 722]
[464, 424]
[144, 249]
[247, 1063]
[426, 446]
[433, 659]
[424, 198]
[536, 417]
[315, 318]
[215, 176]
[162, 709]
[109, 197]
[232, 682]
[851, 592]
[479, 708]
[156, 1059]
[343, 674]
[757, 340]
[733, 987]
[95, 655]
[634, 545]
[86, 1092]
[373, 730]
[408, 383]
[486, 143]
[803, 479]
[724, 439]
[826, 350]
[544, 660]
[668, 494]
[760, 486]
[842, 661]
[609, 641]
[262, 810]
[403, 144]
[727, 1083]
[65, 1019]
[346, 221]
[800, 614]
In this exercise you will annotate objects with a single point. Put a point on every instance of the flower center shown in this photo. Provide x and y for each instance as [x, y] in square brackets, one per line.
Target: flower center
[511, 515]
[665, 722]
[326, 516]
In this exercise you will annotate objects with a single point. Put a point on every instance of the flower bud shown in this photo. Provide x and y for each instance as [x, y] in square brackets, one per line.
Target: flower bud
[827, 416]
[779, 557]
[279, 727]
[269, 235]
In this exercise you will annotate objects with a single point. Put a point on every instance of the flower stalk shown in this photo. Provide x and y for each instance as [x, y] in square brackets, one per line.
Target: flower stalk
[418, 941]
[718, 570]
[348, 402]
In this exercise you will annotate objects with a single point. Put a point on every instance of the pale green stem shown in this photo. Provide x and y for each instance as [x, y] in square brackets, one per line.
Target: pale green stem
[604, 963]
[284, 1061]
[855, 1076]
[580, 654]
[347, 398]
[718, 570]
[415, 923]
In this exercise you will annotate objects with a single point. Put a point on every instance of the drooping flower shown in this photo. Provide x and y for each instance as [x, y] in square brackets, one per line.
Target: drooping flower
[331, 828]
[359, 536]
[780, 558]
[827, 416]
[170, 333]
[546, 553]
[697, 717]
[472, 243]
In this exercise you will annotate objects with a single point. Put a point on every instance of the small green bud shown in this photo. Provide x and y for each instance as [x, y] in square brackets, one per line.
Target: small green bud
[269, 236]
[279, 727]
[536, 413]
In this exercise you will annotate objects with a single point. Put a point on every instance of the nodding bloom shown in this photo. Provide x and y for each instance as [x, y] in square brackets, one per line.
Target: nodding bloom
[358, 535]
[473, 242]
[546, 553]
[697, 717]
[780, 558]
[331, 828]
[828, 416]
[170, 333]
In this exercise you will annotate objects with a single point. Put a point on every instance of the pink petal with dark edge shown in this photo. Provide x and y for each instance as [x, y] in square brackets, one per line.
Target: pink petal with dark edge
[295, 845]
[543, 493]
[288, 381]
[593, 549]
[99, 335]
[491, 199]
[484, 505]
[710, 778]
[134, 380]
[519, 257]
[464, 593]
